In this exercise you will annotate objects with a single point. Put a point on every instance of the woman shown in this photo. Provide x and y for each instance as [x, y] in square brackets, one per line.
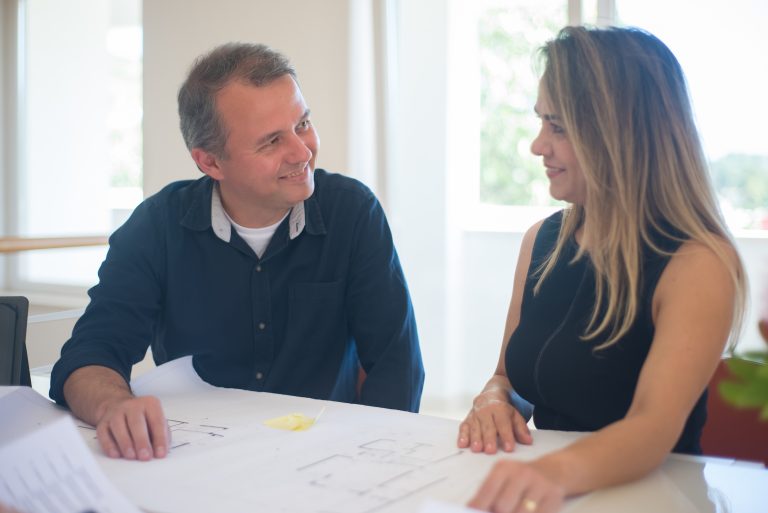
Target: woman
[623, 302]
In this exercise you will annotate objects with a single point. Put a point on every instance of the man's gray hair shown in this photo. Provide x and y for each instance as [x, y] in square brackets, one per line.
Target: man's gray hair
[254, 64]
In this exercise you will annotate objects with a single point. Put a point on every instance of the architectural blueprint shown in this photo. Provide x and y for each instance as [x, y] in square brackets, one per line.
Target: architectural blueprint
[354, 460]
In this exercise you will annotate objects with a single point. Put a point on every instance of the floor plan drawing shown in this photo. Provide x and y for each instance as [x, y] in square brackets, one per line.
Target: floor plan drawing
[372, 476]
[186, 433]
[183, 433]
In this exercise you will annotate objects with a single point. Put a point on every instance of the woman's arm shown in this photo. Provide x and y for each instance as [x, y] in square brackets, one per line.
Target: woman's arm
[492, 416]
[692, 311]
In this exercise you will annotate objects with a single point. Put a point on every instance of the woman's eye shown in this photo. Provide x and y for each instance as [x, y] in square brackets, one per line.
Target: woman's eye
[556, 129]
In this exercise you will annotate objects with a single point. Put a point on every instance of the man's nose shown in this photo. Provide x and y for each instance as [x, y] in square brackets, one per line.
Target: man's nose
[299, 151]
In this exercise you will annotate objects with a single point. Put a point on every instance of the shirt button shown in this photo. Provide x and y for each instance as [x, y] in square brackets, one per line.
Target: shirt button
[259, 375]
[258, 268]
[262, 325]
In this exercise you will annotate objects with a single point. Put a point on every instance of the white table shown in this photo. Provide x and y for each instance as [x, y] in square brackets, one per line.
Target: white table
[360, 459]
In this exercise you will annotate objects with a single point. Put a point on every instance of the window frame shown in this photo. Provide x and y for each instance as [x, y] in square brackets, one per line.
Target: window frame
[474, 214]
[11, 91]
[464, 166]
[13, 16]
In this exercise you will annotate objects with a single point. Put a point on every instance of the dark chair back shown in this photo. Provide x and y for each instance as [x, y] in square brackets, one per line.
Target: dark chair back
[14, 365]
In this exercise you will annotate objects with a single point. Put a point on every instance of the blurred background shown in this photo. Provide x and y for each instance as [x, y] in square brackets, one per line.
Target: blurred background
[429, 102]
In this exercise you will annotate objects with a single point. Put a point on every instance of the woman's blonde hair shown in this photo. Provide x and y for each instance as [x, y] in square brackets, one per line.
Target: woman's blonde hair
[623, 100]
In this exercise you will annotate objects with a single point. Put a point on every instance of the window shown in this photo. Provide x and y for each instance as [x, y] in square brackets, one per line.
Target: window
[78, 151]
[718, 47]
[721, 51]
[509, 33]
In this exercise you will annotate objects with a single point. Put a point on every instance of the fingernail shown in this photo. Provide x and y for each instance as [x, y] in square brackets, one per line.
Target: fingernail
[112, 453]
[144, 454]
[489, 446]
[130, 454]
[508, 447]
[160, 452]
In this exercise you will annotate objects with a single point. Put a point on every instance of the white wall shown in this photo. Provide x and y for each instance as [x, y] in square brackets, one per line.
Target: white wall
[417, 182]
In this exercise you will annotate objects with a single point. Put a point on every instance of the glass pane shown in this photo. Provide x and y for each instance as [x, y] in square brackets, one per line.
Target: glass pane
[509, 34]
[720, 45]
[81, 129]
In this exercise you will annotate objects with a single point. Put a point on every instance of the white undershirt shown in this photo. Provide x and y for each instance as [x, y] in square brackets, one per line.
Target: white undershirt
[257, 238]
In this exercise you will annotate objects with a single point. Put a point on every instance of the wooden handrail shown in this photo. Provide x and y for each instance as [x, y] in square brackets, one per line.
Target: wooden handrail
[15, 244]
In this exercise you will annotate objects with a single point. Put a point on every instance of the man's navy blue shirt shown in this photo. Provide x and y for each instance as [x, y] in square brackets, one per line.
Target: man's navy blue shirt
[299, 321]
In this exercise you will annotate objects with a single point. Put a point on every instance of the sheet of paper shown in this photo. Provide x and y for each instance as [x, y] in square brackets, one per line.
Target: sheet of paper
[432, 506]
[50, 470]
[24, 410]
[353, 460]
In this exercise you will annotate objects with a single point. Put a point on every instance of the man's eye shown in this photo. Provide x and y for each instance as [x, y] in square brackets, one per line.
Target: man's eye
[304, 124]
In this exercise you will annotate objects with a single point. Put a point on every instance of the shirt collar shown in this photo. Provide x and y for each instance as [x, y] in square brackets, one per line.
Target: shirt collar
[205, 209]
[303, 215]
[219, 222]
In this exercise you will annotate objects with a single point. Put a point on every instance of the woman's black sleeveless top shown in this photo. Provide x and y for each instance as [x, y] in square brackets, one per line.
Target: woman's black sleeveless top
[573, 387]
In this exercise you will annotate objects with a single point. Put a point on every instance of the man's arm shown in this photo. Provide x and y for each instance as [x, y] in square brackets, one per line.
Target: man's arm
[119, 322]
[126, 426]
[113, 334]
[381, 316]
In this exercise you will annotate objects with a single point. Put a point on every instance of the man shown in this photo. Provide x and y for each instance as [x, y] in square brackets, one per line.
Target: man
[275, 276]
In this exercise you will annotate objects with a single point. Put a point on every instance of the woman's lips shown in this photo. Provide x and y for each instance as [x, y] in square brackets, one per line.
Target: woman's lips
[553, 172]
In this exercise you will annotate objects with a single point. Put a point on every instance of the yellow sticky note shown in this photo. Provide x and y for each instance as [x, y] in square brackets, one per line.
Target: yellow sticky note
[292, 422]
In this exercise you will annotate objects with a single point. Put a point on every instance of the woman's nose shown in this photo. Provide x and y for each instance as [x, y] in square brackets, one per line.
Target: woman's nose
[540, 146]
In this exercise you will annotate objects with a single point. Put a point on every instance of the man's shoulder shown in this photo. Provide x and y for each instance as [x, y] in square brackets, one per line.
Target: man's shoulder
[332, 185]
[181, 189]
[173, 202]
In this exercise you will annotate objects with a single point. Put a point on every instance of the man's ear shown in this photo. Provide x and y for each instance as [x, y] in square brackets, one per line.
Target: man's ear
[207, 162]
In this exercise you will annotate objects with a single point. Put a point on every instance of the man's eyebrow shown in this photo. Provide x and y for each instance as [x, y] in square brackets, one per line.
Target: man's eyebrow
[268, 137]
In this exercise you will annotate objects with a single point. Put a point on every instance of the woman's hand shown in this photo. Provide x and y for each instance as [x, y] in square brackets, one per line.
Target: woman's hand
[7, 509]
[515, 486]
[491, 419]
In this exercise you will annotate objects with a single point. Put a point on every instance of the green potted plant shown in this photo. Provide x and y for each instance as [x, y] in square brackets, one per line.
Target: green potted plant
[749, 388]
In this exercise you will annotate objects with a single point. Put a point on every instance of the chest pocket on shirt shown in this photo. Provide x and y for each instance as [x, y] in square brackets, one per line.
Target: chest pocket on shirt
[316, 318]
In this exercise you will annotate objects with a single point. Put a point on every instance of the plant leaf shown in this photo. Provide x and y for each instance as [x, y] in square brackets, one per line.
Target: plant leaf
[743, 395]
[741, 368]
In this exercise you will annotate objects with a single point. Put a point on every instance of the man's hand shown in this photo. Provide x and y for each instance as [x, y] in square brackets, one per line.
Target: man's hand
[492, 418]
[133, 428]
[127, 426]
